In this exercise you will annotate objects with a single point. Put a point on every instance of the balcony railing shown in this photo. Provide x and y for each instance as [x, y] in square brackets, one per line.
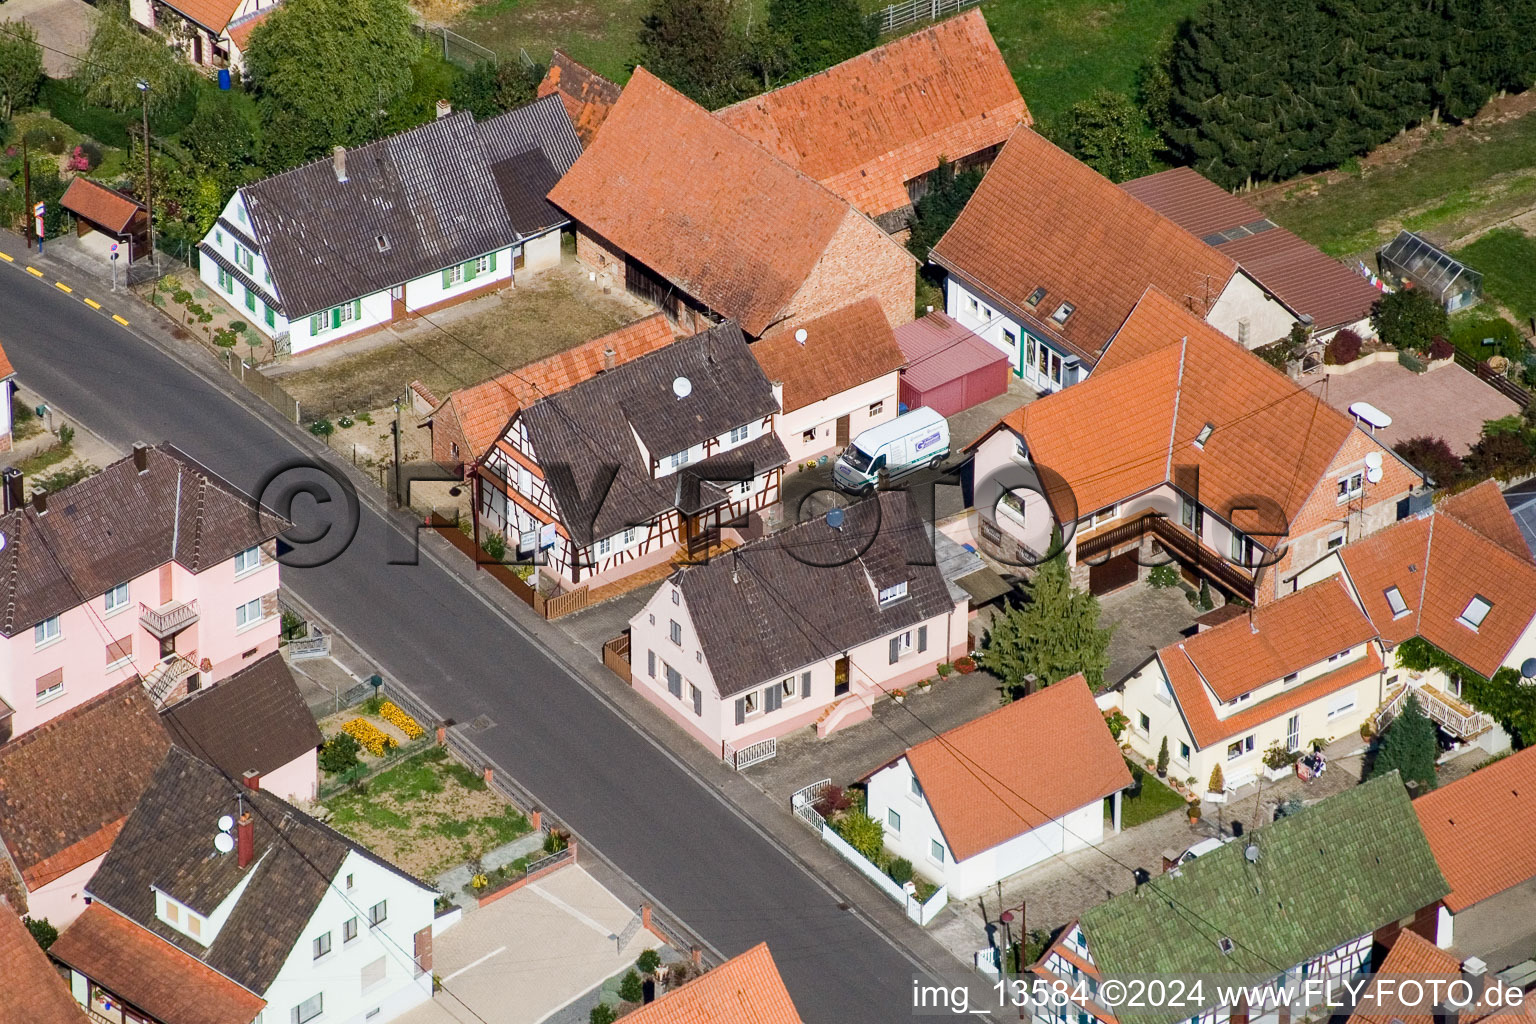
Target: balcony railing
[1182, 544]
[169, 619]
[162, 679]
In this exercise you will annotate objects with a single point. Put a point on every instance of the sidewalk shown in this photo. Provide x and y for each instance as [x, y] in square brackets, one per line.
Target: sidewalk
[86, 448]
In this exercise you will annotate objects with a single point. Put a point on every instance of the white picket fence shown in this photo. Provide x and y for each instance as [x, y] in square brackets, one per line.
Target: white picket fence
[903, 14]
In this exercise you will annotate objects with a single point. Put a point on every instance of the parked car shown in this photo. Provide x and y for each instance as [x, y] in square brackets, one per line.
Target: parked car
[910, 442]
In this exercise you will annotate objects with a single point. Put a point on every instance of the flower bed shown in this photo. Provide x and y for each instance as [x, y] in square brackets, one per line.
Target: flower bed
[400, 720]
[373, 739]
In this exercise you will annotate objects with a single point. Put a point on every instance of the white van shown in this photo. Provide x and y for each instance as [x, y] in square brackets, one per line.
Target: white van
[909, 442]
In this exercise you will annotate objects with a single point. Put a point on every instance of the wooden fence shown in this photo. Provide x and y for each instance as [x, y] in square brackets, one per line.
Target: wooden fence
[909, 11]
[616, 656]
[260, 385]
[548, 607]
[1503, 385]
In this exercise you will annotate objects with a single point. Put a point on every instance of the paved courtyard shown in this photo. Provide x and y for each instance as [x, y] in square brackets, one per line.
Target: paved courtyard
[1145, 620]
[529, 954]
[1446, 402]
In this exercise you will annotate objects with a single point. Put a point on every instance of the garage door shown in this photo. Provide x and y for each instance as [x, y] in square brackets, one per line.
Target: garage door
[1113, 574]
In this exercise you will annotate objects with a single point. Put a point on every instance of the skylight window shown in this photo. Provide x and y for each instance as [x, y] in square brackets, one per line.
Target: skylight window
[1205, 434]
[1477, 610]
[1035, 297]
[1396, 603]
[893, 593]
[1063, 311]
[381, 242]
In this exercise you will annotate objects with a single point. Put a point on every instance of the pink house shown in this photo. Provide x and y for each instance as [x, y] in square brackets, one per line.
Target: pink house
[807, 627]
[153, 569]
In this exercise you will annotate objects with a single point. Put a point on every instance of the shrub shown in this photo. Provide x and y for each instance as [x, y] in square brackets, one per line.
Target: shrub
[65, 101]
[833, 800]
[341, 421]
[1162, 577]
[861, 832]
[496, 546]
[1440, 348]
[602, 1013]
[66, 435]
[1162, 758]
[631, 988]
[92, 153]
[1205, 596]
[226, 339]
[555, 842]
[1194, 809]
[1117, 721]
[1218, 781]
[322, 428]
[1276, 756]
[78, 161]
[1432, 455]
[1500, 454]
[1409, 363]
[945, 669]
[1409, 319]
[1343, 348]
[648, 962]
[339, 753]
[42, 931]
[900, 871]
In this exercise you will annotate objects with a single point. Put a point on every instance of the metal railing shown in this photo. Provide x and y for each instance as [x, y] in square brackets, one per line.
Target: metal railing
[458, 50]
[803, 803]
[753, 753]
[162, 622]
[306, 647]
[161, 679]
[903, 14]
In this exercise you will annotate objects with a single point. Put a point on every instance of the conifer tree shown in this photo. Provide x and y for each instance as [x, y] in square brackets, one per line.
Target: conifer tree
[1409, 746]
[1055, 635]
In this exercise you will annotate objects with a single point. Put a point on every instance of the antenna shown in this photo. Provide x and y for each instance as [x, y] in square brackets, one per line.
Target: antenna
[682, 387]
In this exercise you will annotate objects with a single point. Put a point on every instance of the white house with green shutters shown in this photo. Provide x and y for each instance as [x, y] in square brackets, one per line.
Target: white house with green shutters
[398, 228]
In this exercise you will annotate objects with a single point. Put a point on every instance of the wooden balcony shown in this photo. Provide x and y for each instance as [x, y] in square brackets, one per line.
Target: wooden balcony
[168, 619]
[1178, 542]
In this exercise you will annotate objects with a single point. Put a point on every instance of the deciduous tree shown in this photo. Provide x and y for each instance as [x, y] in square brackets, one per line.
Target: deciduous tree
[120, 56]
[1409, 318]
[932, 215]
[819, 33]
[696, 47]
[21, 66]
[1106, 132]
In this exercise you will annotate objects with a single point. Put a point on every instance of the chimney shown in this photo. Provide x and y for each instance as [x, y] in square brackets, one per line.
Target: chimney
[1475, 973]
[252, 779]
[245, 839]
[11, 484]
[339, 162]
[444, 108]
[1447, 1012]
[40, 500]
[1031, 682]
[141, 456]
[608, 357]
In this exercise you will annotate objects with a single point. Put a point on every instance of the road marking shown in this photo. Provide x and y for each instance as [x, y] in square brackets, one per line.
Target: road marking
[115, 317]
[477, 963]
[34, 272]
[92, 303]
[606, 933]
[61, 286]
[7, 257]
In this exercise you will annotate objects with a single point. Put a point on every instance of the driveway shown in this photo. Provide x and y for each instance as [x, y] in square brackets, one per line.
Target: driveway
[1145, 620]
[1445, 402]
[531, 952]
[63, 28]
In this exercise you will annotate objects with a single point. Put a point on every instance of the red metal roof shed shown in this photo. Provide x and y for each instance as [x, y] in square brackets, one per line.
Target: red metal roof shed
[949, 369]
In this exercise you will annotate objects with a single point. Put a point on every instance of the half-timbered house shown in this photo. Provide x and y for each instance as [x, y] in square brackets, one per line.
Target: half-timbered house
[614, 473]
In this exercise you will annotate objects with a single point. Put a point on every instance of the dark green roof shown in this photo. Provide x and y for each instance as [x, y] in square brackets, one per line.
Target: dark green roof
[1329, 874]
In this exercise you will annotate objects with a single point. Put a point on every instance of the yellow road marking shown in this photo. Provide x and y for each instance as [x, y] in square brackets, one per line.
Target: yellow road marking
[92, 303]
[61, 286]
[34, 272]
[7, 257]
[119, 319]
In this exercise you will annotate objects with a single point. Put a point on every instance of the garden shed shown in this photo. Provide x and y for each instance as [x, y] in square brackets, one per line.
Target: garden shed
[103, 216]
[949, 369]
[1412, 261]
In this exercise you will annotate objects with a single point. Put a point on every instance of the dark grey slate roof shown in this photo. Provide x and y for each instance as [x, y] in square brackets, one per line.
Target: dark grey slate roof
[523, 181]
[769, 608]
[265, 291]
[585, 434]
[430, 192]
[1523, 507]
[253, 720]
[117, 525]
[167, 843]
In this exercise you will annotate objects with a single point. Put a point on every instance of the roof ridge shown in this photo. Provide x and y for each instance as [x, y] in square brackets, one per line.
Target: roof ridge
[1178, 394]
[1429, 546]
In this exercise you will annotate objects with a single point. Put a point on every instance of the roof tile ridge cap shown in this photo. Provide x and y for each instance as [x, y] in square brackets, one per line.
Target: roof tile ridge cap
[12, 572]
[198, 508]
[1178, 393]
[1429, 547]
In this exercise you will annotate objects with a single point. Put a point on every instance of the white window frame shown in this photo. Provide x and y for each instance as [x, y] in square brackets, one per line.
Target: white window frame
[679, 459]
[247, 560]
[602, 547]
[300, 1016]
[893, 593]
[1336, 540]
[1351, 485]
[348, 930]
[49, 631]
[120, 592]
[1244, 748]
[245, 617]
[483, 264]
[1395, 601]
[741, 433]
[1338, 707]
[789, 688]
[904, 644]
[455, 274]
[750, 704]
[876, 408]
[936, 851]
[893, 820]
[381, 909]
[629, 536]
[1479, 607]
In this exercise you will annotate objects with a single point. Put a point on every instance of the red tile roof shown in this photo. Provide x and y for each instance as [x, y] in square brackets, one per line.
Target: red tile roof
[586, 95]
[1438, 565]
[1285, 636]
[150, 973]
[864, 127]
[33, 992]
[483, 410]
[1411, 956]
[1003, 774]
[211, 14]
[938, 349]
[240, 31]
[1164, 377]
[746, 989]
[684, 194]
[1301, 275]
[67, 785]
[1043, 219]
[1480, 828]
[100, 205]
[842, 350]
[6, 369]
[1484, 509]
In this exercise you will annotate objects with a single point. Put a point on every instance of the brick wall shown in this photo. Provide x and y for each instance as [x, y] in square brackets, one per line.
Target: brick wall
[595, 251]
[449, 446]
[860, 261]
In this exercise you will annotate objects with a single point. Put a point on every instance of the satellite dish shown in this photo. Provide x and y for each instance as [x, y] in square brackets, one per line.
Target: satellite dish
[226, 823]
[800, 335]
[223, 842]
[835, 520]
[1251, 852]
[1528, 668]
[1373, 474]
[682, 387]
[1373, 460]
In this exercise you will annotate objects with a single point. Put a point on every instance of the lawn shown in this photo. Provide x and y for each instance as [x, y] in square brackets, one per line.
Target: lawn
[1154, 800]
[426, 814]
[1059, 50]
[1456, 180]
[550, 312]
[1507, 259]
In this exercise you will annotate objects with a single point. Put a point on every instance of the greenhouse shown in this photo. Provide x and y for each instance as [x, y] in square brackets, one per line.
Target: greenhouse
[1410, 260]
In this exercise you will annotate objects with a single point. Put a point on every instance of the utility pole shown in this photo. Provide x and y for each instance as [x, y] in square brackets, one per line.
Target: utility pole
[149, 195]
[397, 452]
[26, 187]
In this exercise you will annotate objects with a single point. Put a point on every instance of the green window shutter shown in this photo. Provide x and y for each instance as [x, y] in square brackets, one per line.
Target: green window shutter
[250, 300]
[491, 264]
[357, 309]
[271, 316]
[336, 317]
[447, 277]
[314, 325]
[469, 270]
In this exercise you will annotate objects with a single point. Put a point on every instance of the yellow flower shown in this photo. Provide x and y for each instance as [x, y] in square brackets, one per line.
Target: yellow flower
[392, 714]
[373, 739]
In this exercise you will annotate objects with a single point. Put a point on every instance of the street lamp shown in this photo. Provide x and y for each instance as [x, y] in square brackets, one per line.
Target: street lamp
[1006, 917]
[149, 202]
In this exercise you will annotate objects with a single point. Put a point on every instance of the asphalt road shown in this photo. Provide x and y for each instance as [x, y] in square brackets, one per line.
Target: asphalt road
[657, 822]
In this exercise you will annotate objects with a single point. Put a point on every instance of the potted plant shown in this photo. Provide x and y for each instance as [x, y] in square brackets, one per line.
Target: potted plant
[925, 685]
[1277, 762]
[1216, 789]
[898, 696]
[965, 665]
[1162, 759]
[945, 668]
[1194, 812]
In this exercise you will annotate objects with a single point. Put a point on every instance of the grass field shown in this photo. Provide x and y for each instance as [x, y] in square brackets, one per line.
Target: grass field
[1455, 180]
[1154, 800]
[1507, 259]
[1059, 50]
